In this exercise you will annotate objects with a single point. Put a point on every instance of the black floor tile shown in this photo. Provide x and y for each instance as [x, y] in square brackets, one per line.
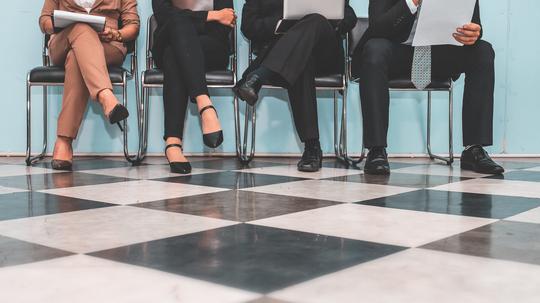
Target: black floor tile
[237, 205]
[232, 164]
[456, 203]
[402, 180]
[249, 257]
[16, 252]
[231, 180]
[504, 240]
[57, 180]
[32, 204]
[519, 175]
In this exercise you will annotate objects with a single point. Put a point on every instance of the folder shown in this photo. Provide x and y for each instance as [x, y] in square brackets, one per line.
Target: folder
[63, 19]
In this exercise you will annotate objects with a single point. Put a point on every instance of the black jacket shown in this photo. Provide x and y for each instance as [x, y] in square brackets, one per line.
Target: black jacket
[260, 17]
[392, 19]
[165, 11]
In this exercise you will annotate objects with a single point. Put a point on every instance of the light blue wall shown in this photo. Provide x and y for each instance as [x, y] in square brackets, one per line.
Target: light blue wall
[511, 26]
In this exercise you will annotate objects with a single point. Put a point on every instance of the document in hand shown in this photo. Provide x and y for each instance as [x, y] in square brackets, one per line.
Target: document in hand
[439, 19]
[63, 19]
[195, 5]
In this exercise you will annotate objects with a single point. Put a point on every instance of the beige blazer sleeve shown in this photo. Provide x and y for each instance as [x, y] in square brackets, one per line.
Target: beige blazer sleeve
[48, 8]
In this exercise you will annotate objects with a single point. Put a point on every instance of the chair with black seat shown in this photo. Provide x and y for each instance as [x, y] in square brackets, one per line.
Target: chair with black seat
[48, 75]
[337, 83]
[405, 84]
[153, 77]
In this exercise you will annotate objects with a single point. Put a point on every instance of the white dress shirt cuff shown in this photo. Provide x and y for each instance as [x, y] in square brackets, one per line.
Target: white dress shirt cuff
[412, 6]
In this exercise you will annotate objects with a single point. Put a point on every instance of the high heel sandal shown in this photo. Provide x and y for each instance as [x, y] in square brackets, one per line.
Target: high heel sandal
[183, 168]
[117, 115]
[63, 165]
[215, 139]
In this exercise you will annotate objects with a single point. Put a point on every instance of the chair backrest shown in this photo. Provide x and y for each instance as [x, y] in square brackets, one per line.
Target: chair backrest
[357, 33]
[151, 30]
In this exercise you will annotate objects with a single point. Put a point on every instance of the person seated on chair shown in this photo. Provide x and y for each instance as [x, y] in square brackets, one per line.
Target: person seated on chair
[85, 54]
[312, 46]
[385, 52]
[189, 43]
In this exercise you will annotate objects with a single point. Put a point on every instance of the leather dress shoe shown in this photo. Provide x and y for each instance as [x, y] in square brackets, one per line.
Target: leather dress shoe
[248, 89]
[377, 162]
[478, 160]
[311, 160]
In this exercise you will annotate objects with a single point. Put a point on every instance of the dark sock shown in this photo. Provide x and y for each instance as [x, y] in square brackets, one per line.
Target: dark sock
[313, 144]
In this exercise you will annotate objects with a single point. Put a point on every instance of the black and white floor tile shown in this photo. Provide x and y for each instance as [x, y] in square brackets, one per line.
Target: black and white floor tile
[266, 233]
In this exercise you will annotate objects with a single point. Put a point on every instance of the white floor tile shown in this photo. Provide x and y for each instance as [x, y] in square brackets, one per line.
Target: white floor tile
[99, 229]
[144, 172]
[534, 169]
[9, 190]
[332, 190]
[531, 216]
[292, 171]
[21, 170]
[376, 224]
[132, 192]
[495, 187]
[423, 276]
[85, 279]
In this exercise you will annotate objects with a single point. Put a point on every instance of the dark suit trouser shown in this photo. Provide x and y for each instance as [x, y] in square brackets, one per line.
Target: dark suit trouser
[310, 48]
[382, 59]
[186, 60]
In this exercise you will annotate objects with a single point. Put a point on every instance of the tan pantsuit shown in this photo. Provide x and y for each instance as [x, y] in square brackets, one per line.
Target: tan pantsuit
[85, 57]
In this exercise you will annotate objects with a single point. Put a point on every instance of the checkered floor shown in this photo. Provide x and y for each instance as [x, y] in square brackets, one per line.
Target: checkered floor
[109, 232]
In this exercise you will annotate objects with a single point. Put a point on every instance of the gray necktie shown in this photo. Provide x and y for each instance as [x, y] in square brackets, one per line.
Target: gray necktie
[421, 67]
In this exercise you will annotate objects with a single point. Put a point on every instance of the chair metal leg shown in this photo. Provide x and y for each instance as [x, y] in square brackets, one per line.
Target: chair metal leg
[133, 159]
[242, 136]
[450, 158]
[343, 136]
[29, 158]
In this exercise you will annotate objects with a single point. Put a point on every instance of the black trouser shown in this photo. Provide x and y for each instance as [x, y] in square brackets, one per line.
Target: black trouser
[310, 48]
[186, 60]
[382, 60]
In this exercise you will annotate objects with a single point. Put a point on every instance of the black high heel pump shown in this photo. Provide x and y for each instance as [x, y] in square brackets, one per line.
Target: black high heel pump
[118, 114]
[183, 168]
[214, 139]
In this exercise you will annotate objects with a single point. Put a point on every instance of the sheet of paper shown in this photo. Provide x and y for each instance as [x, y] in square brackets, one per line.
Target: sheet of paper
[63, 19]
[195, 5]
[439, 19]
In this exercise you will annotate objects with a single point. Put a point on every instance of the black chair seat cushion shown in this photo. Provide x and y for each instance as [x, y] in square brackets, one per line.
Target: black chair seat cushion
[225, 77]
[56, 74]
[330, 81]
[406, 83]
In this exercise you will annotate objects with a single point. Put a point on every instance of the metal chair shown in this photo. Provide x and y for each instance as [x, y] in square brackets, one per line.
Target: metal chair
[338, 83]
[153, 77]
[405, 84]
[48, 75]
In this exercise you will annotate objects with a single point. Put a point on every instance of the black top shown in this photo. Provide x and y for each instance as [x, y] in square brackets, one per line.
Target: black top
[392, 19]
[260, 17]
[165, 11]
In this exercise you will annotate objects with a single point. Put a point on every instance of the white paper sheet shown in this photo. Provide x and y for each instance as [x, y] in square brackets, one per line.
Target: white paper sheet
[63, 19]
[439, 19]
[195, 5]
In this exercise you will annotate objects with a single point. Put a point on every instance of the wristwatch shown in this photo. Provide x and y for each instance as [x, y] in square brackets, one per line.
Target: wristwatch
[119, 38]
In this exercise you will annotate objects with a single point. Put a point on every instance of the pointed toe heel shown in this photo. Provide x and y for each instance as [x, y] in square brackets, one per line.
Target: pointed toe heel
[215, 139]
[118, 114]
[182, 168]
[62, 165]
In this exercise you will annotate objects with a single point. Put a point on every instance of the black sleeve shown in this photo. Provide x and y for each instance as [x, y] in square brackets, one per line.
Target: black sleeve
[164, 10]
[476, 18]
[386, 19]
[255, 25]
[219, 5]
[349, 22]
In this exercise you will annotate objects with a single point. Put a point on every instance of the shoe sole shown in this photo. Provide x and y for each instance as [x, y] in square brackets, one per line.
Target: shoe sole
[377, 173]
[249, 98]
[470, 167]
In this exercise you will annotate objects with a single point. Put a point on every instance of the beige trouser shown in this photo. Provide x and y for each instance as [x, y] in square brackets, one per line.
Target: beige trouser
[85, 58]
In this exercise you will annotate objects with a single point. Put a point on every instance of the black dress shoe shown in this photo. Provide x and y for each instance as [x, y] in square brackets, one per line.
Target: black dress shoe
[311, 160]
[478, 160]
[377, 162]
[118, 114]
[248, 89]
[215, 139]
[62, 165]
[183, 168]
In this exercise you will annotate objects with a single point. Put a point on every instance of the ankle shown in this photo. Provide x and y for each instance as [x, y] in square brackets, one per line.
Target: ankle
[313, 144]
[203, 101]
[173, 140]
